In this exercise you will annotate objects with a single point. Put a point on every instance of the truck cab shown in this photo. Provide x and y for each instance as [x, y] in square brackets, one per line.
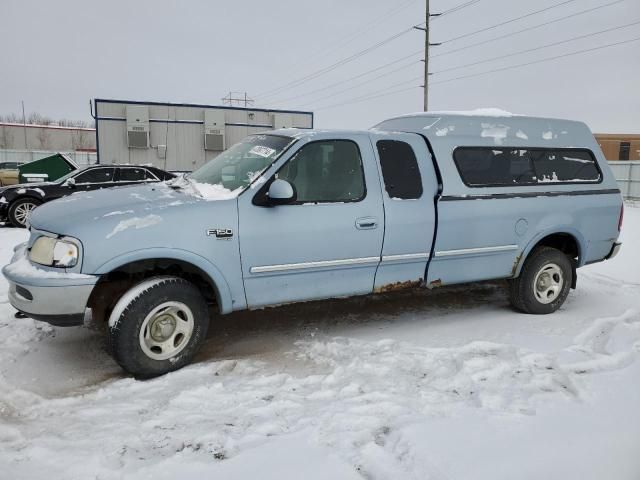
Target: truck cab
[296, 215]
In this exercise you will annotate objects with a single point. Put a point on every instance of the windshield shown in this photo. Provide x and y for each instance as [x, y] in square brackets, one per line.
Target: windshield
[238, 166]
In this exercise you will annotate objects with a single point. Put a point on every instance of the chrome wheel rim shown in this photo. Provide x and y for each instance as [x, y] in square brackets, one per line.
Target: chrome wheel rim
[548, 283]
[166, 330]
[22, 212]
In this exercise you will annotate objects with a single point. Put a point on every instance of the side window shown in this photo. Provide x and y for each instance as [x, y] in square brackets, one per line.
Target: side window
[326, 171]
[96, 175]
[489, 166]
[149, 175]
[565, 166]
[480, 167]
[399, 169]
[131, 174]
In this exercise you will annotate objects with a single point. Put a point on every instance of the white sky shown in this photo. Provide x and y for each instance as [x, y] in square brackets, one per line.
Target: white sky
[59, 54]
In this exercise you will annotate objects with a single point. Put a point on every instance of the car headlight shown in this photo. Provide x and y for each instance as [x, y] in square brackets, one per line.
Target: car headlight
[54, 252]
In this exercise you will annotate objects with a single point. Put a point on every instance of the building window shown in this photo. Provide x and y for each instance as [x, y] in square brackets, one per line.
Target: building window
[625, 148]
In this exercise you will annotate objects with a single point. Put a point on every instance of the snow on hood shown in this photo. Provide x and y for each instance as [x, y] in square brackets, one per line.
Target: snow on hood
[130, 207]
[206, 191]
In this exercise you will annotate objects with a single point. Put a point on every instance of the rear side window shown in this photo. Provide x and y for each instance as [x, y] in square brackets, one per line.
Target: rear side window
[399, 169]
[489, 166]
[132, 174]
[96, 175]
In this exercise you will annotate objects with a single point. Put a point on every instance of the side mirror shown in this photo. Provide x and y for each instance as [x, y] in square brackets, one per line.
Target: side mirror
[281, 192]
[69, 182]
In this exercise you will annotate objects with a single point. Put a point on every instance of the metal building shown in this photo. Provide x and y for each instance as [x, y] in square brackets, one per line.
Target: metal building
[177, 136]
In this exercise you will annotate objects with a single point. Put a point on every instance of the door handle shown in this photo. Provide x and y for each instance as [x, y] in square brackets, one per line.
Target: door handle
[366, 223]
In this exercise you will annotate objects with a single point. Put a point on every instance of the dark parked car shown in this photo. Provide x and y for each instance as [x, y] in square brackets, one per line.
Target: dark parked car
[17, 201]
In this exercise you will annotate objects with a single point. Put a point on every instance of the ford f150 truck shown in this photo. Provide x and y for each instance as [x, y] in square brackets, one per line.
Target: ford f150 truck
[295, 215]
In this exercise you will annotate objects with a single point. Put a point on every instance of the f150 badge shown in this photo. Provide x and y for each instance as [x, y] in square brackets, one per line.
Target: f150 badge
[220, 233]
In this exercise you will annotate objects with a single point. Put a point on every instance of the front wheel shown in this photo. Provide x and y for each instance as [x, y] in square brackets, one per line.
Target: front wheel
[20, 210]
[544, 282]
[158, 326]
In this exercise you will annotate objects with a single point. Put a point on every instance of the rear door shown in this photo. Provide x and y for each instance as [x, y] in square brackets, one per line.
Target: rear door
[409, 186]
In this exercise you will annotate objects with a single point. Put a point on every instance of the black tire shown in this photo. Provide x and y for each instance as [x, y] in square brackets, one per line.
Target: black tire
[525, 296]
[130, 315]
[17, 207]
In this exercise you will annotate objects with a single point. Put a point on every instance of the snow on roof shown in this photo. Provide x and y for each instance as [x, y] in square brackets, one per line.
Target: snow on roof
[478, 112]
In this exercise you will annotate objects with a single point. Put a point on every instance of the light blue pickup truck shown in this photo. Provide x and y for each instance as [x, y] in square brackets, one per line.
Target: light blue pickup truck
[295, 215]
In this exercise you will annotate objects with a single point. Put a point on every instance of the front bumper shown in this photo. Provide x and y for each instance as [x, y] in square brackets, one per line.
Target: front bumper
[4, 211]
[57, 298]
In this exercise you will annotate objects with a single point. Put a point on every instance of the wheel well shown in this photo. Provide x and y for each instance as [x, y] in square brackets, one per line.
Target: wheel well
[564, 242]
[112, 285]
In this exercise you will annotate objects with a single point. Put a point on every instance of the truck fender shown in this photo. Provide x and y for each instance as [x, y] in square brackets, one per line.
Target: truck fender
[580, 240]
[215, 275]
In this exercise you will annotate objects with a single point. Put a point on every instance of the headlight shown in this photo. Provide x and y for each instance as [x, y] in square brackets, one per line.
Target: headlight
[54, 252]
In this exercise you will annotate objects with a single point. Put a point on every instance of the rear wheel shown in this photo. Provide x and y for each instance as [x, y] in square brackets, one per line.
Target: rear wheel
[544, 282]
[20, 210]
[158, 326]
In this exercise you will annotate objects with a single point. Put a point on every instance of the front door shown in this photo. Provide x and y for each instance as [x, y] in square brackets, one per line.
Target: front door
[328, 242]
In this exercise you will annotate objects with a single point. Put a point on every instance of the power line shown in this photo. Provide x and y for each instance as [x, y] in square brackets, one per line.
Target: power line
[362, 99]
[349, 38]
[536, 48]
[335, 65]
[455, 9]
[382, 90]
[533, 27]
[362, 83]
[413, 54]
[506, 22]
[377, 94]
[510, 67]
[341, 82]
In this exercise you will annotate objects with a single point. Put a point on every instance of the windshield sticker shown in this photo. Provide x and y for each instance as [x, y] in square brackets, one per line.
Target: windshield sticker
[262, 151]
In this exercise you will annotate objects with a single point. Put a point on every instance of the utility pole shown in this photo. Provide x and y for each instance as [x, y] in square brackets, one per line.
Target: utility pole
[427, 44]
[24, 126]
[426, 58]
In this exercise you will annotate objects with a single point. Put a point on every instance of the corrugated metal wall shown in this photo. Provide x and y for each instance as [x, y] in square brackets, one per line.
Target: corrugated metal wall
[628, 176]
[180, 128]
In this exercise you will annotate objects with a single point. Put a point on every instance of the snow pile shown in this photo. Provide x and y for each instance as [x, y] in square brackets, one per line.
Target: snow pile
[443, 384]
[135, 222]
[478, 112]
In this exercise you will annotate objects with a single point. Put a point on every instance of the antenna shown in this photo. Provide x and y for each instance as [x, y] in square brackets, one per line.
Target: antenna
[240, 99]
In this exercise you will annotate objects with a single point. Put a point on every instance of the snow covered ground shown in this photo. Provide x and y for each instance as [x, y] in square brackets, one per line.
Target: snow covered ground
[447, 384]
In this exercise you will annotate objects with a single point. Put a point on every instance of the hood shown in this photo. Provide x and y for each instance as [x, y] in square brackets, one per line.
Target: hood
[24, 186]
[111, 208]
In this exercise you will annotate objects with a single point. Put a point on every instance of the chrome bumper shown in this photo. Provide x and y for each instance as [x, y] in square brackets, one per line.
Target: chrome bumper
[58, 300]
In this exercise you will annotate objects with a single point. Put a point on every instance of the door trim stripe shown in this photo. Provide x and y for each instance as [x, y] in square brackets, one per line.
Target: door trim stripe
[498, 196]
[478, 250]
[311, 265]
[405, 256]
